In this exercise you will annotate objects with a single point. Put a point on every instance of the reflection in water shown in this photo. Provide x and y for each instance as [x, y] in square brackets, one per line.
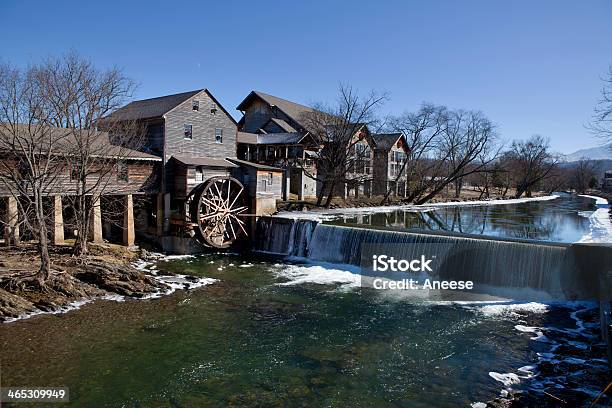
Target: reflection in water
[558, 220]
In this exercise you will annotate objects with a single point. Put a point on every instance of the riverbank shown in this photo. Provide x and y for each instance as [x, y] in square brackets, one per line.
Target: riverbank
[321, 214]
[467, 195]
[107, 272]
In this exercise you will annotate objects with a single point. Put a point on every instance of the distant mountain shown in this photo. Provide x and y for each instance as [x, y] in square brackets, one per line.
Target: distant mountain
[594, 153]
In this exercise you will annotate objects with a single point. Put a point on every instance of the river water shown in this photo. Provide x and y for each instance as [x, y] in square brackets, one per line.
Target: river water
[272, 332]
[560, 220]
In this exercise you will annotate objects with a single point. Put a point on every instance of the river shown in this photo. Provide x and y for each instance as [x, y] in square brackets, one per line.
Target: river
[273, 332]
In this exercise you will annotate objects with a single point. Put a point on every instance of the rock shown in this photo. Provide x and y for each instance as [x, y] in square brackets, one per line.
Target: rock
[119, 279]
[13, 306]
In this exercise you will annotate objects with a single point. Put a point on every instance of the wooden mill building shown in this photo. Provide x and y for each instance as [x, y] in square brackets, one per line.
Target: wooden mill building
[195, 137]
[188, 139]
[125, 173]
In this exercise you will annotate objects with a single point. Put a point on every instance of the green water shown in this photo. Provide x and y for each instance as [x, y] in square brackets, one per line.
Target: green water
[248, 341]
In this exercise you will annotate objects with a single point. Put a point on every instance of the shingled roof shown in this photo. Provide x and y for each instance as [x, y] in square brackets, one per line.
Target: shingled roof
[158, 107]
[294, 110]
[152, 108]
[385, 141]
[63, 142]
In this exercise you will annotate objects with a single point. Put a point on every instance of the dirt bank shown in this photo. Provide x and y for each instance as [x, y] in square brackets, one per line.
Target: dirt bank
[106, 271]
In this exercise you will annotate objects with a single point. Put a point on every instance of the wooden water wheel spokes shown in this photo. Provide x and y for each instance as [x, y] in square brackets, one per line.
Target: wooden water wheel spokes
[217, 208]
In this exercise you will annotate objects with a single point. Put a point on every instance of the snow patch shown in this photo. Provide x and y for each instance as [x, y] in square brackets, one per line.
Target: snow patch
[600, 223]
[326, 215]
[495, 202]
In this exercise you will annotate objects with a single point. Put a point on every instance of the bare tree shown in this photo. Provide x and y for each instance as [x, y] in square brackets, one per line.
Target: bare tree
[530, 162]
[81, 97]
[444, 147]
[602, 117]
[422, 131]
[340, 131]
[32, 149]
[583, 175]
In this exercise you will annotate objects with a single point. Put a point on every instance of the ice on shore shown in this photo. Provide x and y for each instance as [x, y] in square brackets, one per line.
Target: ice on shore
[601, 225]
[330, 214]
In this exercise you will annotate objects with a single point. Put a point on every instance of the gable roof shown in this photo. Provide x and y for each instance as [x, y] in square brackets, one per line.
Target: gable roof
[158, 107]
[153, 107]
[283, 125]
[294, 110]
[385, 141]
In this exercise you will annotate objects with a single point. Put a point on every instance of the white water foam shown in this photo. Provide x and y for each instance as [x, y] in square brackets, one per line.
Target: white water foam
[512, 309]
[508, 379]
[318, 274]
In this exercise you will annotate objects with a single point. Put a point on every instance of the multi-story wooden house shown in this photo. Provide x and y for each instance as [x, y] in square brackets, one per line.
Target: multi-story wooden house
[389, 173]
[272, 132]
[275, 131]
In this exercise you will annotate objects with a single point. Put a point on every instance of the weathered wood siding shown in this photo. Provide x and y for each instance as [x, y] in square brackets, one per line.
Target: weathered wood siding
[380, 171]
[260, 183]
[258, 113]
[154, 137]
[207, 173]
[143, 178]
[203, 123]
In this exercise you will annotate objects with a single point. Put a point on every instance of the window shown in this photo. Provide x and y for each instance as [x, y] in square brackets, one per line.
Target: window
[122, 171]
[195, 105]
[188, 132]
[218, 135]
[270, 178]
[74, 173]
[198, 174]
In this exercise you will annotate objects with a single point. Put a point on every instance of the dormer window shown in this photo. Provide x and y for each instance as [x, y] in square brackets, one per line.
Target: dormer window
[195, 105]
[188, 131]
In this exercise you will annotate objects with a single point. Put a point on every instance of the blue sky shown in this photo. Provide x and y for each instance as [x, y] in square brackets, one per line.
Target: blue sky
[531, 66]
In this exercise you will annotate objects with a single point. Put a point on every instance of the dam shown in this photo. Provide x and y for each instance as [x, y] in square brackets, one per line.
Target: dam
[557, 271]
[508, 268]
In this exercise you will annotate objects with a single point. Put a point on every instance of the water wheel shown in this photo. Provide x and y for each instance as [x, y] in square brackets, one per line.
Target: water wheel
[215, 211]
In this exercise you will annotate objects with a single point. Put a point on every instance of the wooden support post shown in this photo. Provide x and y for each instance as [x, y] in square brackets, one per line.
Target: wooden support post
[167, 213]
[11, 228]
[96, 222]
[128, 221]
[286, 184]
[301, 186]
[58, 221]
[159, 214]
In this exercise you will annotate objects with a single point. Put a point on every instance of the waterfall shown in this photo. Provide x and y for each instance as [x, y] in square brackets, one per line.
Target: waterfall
[283, 236]
[503, 263]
